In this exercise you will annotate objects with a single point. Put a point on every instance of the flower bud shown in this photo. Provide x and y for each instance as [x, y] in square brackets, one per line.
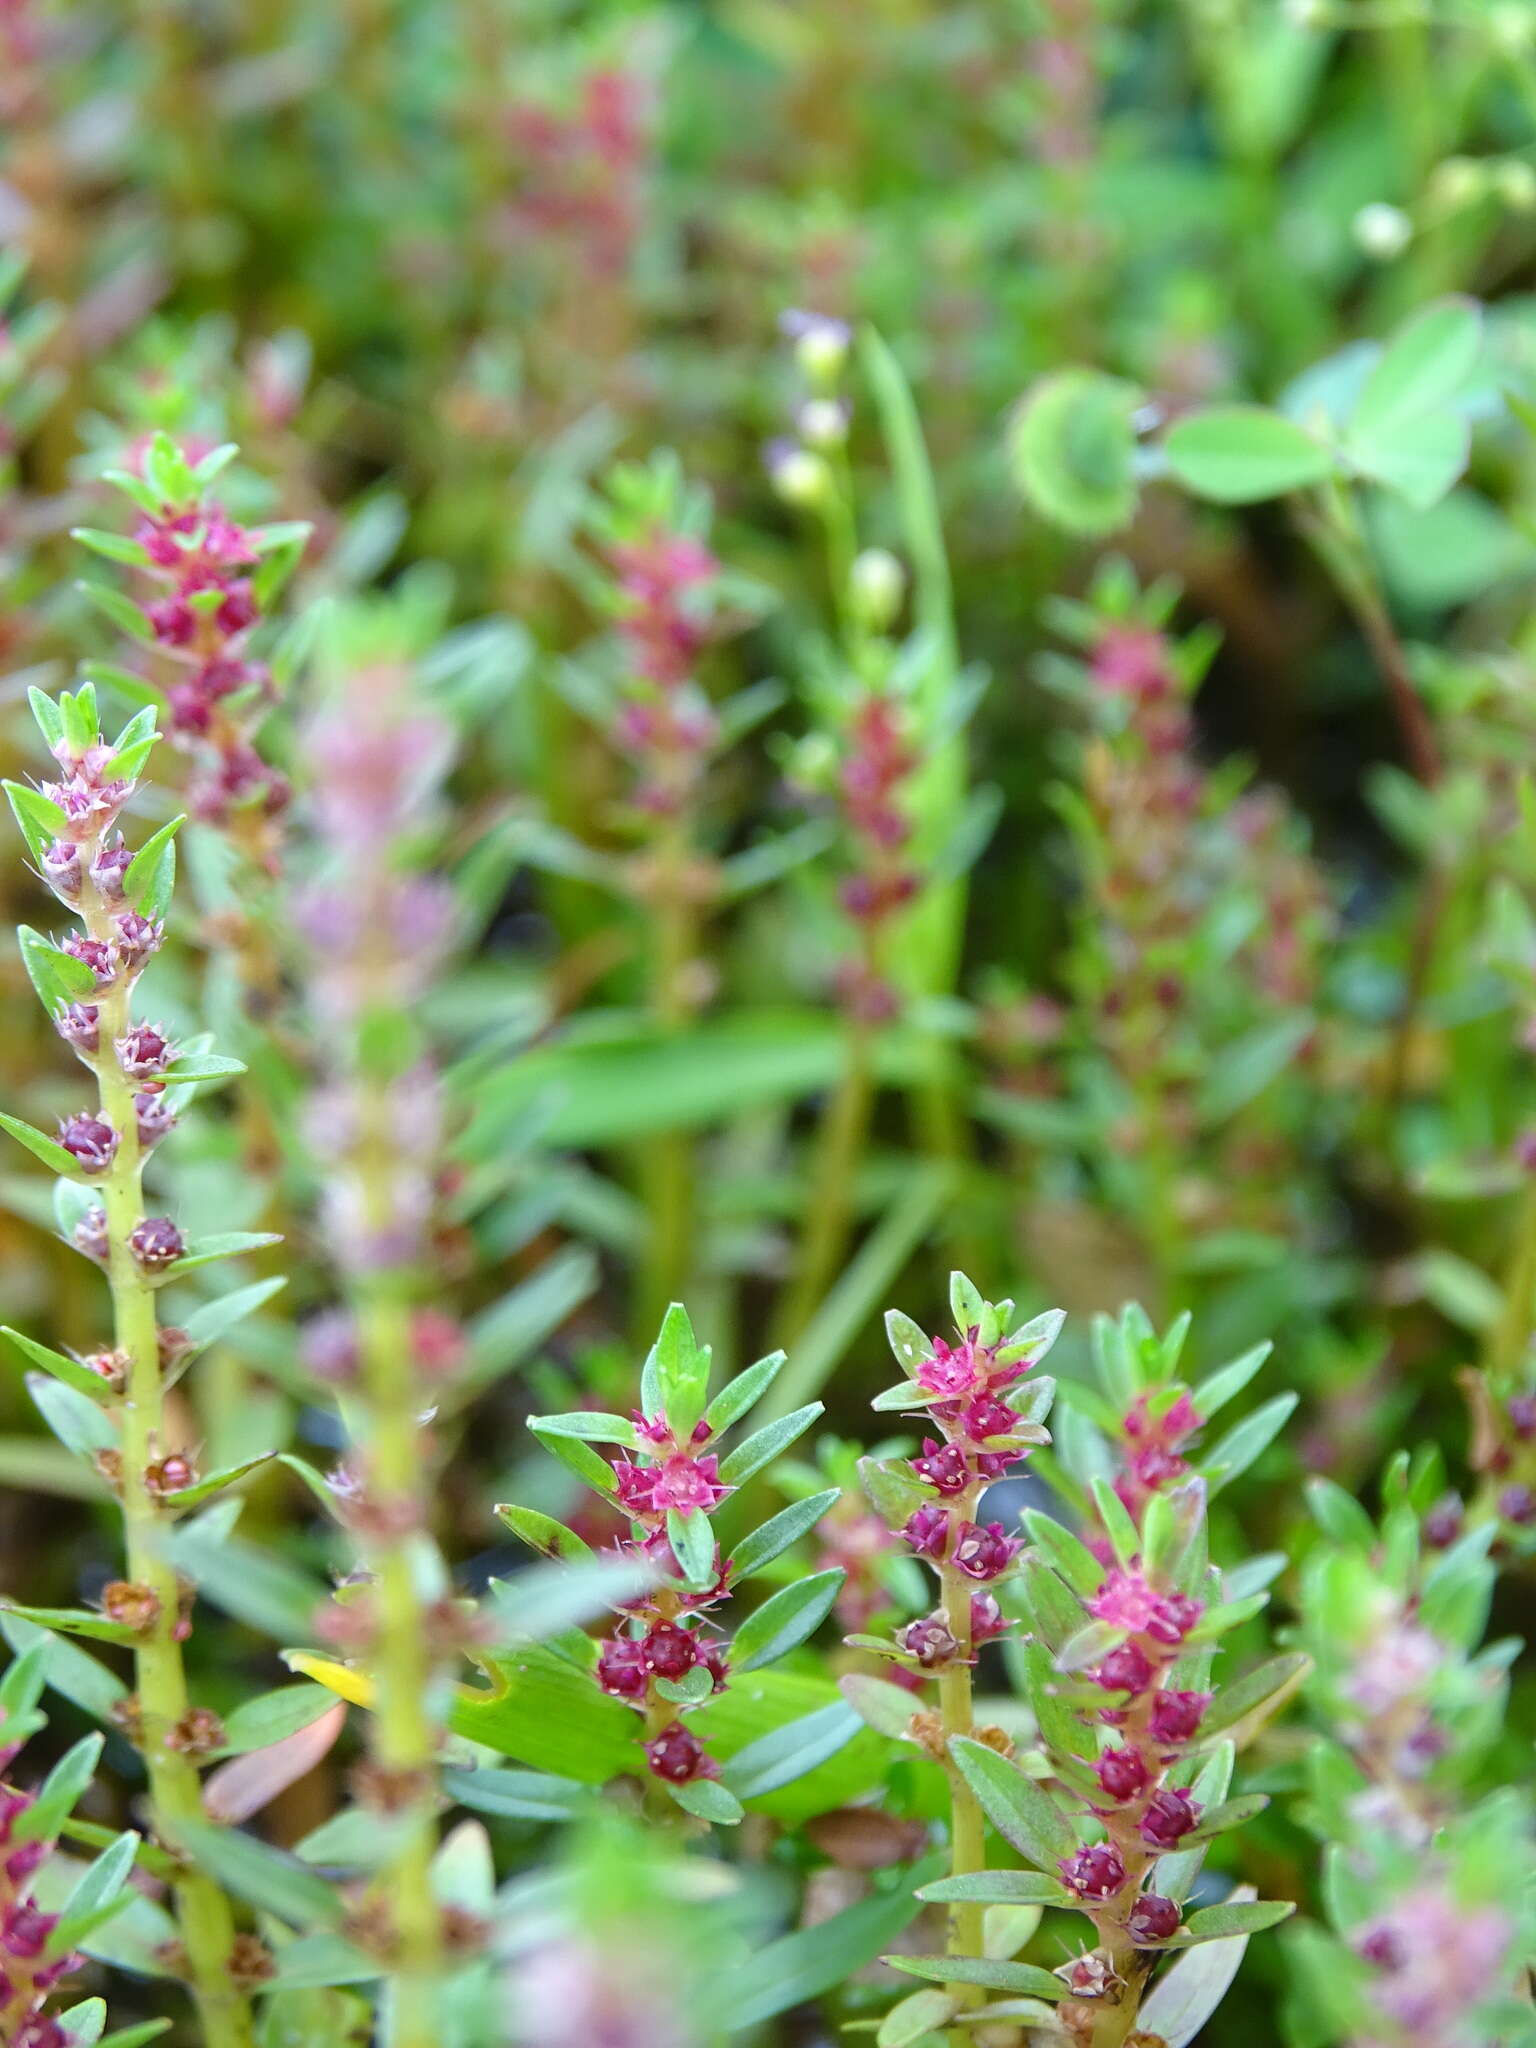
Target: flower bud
[156, 1243]
[1153, 1918]
[1094, 1873]
[670, 1651]
[197, 1734]
[1126, 1669]
[143, 1052]
[79, 1026]
[60, 865]
[134, 939]
[90, 1235]
[1176, 1716]
[90, 1142]
[131, 1606]
[1383, 231]
[799, 477]
[821, 346]
[927, 1530]
[823, 423]
[929, 1641]
[110, 865]
[1123, 1773]
[984, 1553]
[876, 586]
[154, 1116]
[621, 1668]
[1169, 1817]
[678, 1756]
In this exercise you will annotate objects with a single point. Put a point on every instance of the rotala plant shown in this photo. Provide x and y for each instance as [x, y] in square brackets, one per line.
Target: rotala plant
[1113, 1810]
[111, 1403]
[667, 1656]
[377, 932]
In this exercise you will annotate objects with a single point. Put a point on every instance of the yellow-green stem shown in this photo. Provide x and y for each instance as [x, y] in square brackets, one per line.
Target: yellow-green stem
[967, 1825]
[204, 1916]
[667, 1161]
[404, 1737]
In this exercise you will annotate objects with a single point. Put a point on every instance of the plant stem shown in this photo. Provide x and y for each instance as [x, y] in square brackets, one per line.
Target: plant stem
[967, 1826]
[667, 1161]
[204, 1915]
[829, 1213]
[404, 1737]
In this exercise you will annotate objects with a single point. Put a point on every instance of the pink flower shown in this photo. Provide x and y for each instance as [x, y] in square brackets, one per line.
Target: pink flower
[1169, 1817]
[927, 1530]
[1176, 1716]
[679, 1757]
[1094, 1873]
[985, 1552]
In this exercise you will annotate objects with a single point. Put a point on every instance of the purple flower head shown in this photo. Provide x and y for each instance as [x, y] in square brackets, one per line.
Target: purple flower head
[985, 1552]
[1153, 1918]
[987, 1417]
[93, 953]
[1176, 1716]
[621, 1668]
[1094, 1873]
[1397, 1666]
[154, 1116]
[1125, 1600]
[80, 1026]
[61, 869]
[1126, 1669]
[1444, 1522]
[943, 1466]
[1169, 1817]
[90, 1235]
[670, 1651]
[134, 939]
[143, 1052]
[679, 1757]
[1437, 1959]
[156, 1243]
[929, 1641]
[89, 1141]
[1521, 1410]
[1123, 1773]
[25, 1930]
[111, 863]
[682, 1484]
[954, 1370]
[927, 1530]
[987, 1619]
[1517, 1504]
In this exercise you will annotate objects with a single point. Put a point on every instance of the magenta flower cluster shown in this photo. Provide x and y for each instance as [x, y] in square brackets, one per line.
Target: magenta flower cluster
[202, 560]
[664, 585]
[28, 1973]
[663, 1635]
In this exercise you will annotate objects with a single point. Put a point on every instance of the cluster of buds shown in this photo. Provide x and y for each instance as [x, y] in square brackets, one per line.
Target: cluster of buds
[582, 172]
[1503, 1454]
[662, 1661]
[665, 1658]
[1431, 1959]
[663, 593]
[376, 934]
[30, 1965]
[971, 1392]
[1141, 1801]
[1169, 857]
[88, 979]
[213, 582]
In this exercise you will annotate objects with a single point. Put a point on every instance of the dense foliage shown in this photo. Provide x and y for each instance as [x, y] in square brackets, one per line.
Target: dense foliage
[675, 672]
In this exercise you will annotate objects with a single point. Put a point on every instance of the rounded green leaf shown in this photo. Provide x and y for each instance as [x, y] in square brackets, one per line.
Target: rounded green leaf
[1072, 450]
[1242, 454]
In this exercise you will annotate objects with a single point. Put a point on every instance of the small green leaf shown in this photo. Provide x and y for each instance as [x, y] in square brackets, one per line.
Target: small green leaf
[151, 873]
[784, 1620]
[1241, 454]
[709, 1800]
[765, 1444]
[228, 1244]
[543, 1533]
[775, 1535]
[116, 547]
[58, 977]
[924, 2012]
[53, 1804]
[743, 1393]
[1027, 1818]
[788, 1753]
[588, 1425]
[265, 1877]
[1027, 1979]
[1215, 1923]
[40, 819]
[69, 1370]
[693, 1545]
[999, 1888]
[1423, 367]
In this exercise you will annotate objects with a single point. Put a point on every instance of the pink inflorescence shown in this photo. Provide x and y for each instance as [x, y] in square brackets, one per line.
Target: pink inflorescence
[201, 560]
[664, 1637]
[878, 763]
[983, 1436]
[27, 1973]
[1153, 1444]
[664, 587]
[1433, 1961]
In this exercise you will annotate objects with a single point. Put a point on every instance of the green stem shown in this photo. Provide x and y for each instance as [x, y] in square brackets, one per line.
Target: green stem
[667, 1165]
[967, 1825]
[204, 1916]
[829, 1211]
[405, 1739]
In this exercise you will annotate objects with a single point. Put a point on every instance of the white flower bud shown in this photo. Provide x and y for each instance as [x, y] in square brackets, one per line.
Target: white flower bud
[877, 583]
[1383, 231]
